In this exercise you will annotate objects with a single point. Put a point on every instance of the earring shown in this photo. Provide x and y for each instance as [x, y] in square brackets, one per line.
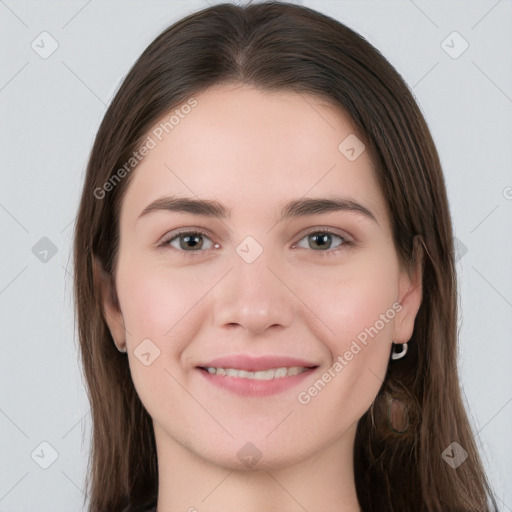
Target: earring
[403, 350]
[123, 349]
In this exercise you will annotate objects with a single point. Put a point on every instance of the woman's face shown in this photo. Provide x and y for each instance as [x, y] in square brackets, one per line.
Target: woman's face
[250, 281]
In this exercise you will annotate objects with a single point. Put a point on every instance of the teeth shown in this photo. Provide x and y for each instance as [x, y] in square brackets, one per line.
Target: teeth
[273, 373]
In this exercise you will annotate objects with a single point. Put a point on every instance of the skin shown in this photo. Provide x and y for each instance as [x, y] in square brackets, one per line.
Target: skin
[252, 151]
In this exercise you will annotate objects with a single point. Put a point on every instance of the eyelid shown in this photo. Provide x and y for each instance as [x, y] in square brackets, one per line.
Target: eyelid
[182, 231]
[326, 229]
[346, 244]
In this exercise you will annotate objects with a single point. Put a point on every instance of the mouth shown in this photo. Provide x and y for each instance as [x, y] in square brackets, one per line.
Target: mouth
[270, 374]
[261, 376]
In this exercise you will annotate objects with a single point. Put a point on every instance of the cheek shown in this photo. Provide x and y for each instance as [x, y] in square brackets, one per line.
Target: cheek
[161, 309]
[157, 309]
[155, 303]
[351, 299]
[355, 306]
[357, 355]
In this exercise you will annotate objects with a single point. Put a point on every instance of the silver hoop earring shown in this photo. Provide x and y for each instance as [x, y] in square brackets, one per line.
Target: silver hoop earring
[403, 350]
[123, 350]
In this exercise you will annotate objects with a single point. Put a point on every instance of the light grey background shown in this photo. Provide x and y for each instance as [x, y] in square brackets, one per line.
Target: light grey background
[50, 111]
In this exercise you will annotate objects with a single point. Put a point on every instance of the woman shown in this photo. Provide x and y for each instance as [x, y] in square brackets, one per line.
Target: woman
[265, 282]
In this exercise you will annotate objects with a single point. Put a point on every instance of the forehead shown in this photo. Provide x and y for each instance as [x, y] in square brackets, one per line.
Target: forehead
[252, 149]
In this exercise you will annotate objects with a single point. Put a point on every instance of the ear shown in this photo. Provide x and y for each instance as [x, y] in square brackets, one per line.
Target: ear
[410, 294]
[109, 304]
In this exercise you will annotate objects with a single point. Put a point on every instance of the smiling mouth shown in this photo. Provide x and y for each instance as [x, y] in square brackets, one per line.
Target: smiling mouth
[269, 374]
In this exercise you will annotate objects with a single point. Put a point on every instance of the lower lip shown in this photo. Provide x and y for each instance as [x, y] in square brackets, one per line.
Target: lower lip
[253, 387]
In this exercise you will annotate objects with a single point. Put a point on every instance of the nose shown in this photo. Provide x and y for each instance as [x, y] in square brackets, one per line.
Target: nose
[255, 296]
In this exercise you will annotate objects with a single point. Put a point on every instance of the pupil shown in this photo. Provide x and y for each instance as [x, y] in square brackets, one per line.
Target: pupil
[325, 237]
[193, 241]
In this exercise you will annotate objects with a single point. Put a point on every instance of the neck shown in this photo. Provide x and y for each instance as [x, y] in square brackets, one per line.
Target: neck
[323, 482]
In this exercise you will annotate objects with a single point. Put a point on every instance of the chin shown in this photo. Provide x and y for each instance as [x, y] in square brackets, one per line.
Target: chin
[250, 456]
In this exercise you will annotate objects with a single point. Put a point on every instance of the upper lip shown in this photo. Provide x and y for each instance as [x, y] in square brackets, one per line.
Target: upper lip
[254, 364]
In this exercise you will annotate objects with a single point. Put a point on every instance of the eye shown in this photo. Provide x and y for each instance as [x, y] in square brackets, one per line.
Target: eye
[323, 239]
[188, 241]
[193, 241]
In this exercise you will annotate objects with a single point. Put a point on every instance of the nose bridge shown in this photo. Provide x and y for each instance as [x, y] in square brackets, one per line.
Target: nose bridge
[252, 295]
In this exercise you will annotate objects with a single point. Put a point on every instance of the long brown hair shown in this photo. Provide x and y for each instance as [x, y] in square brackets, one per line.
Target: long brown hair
[280, 46]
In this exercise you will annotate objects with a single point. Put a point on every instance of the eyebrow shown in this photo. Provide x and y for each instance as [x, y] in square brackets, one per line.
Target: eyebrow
[296, 208]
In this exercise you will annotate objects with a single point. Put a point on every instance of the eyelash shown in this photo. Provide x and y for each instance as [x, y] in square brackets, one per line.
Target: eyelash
[328, 252]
